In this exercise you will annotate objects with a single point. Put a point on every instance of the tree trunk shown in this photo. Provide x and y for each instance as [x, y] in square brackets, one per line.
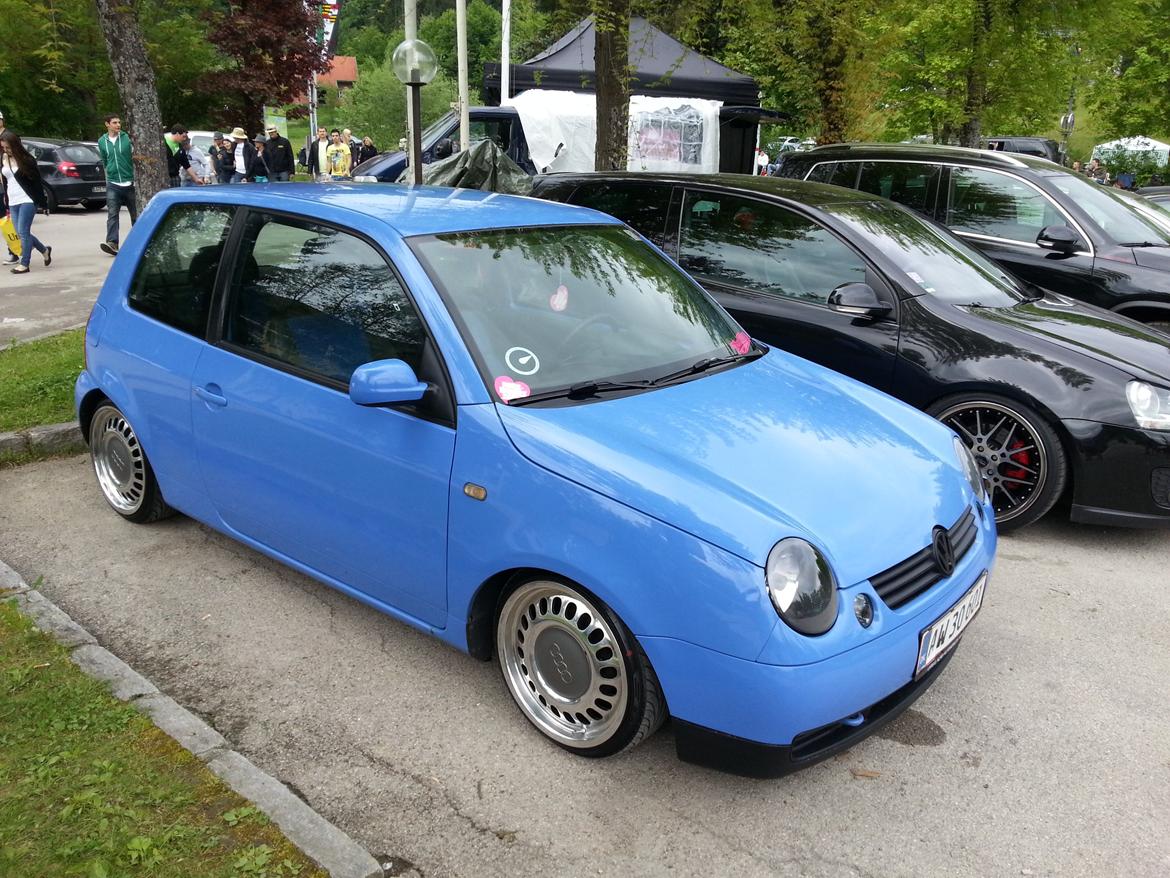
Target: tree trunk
[611, 61]
[253, 116]
[135, 80]
[831, 58]
[971, 131]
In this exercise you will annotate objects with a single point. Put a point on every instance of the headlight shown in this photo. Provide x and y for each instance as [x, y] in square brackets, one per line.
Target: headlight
[802, 587]
[1150, 405]
[970, 469]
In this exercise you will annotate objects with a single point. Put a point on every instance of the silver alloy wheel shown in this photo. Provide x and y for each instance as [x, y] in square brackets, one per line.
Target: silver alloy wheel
[118, 461]
[562, 663]
[1011, 455]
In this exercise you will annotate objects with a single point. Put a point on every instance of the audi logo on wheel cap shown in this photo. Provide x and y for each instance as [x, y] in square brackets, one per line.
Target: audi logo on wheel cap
[944, 552]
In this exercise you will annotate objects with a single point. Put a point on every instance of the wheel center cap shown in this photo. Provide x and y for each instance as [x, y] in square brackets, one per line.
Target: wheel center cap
[119, 463]
[562, 663]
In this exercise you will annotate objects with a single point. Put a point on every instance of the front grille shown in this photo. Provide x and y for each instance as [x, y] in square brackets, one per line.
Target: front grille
[1160, 486]
[908, 579]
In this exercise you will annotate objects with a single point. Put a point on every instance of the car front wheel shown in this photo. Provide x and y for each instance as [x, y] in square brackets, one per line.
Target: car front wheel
[122, 468]
[1019, 455]
[575, 670]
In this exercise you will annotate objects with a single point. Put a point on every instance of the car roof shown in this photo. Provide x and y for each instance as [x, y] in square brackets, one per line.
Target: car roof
[426, 210]
[927, 153]
[812, 194]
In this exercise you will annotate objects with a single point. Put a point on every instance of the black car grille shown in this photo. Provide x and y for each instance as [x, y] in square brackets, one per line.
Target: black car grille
[1160, 486]
[908, 579]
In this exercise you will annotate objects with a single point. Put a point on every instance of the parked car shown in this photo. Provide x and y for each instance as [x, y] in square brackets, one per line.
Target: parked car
[783, 144]
[1052, 396]
[1155, 193]
[72, 172]
[516, 426]
[1044, 224]
[1041, 147]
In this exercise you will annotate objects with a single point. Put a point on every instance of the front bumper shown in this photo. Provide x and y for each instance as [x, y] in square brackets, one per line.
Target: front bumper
[1121, 475]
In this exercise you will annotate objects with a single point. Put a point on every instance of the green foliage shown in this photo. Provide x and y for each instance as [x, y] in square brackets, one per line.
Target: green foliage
[376, 105]
[1129, 60]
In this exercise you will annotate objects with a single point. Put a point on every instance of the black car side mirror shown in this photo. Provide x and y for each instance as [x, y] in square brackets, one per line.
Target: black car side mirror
[858, 300]
[1060, 239]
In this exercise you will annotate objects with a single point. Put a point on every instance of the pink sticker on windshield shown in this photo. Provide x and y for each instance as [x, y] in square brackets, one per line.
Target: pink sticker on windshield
[559, 300]
[508, 388]
[742, 343]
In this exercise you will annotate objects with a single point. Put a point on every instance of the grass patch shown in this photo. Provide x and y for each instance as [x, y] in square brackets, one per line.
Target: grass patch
[90, 788]
[36, 380]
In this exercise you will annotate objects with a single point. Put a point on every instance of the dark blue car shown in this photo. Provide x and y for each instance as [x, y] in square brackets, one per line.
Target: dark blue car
[517, 426]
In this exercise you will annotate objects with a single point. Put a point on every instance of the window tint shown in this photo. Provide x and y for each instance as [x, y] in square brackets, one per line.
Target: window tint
[175, 278]
[763, 247]
[998, 205]
[496, 130]
[637, 205]
[822, 173]
[902, 182]
[319, 299]
[844, 174]
[79, 154]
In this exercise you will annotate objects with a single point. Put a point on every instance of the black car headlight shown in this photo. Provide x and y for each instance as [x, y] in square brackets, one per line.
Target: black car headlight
[802, 586]
[970, 469]
[1150, 405]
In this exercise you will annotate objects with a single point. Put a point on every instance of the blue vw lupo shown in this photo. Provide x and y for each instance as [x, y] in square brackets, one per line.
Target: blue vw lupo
[518, 426]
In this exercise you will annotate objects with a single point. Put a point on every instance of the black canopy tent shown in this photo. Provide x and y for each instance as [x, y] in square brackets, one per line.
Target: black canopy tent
[661, 66]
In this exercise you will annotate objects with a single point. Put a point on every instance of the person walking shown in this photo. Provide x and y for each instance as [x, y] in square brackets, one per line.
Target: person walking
[11, 258]
[243, 154]
[279, 156]
[114, 148]
[200, 164]
[258, 171]
[178, 162]
[338, 158]
[24, 194]
[318, 160]
[354, 146]
[367, 150]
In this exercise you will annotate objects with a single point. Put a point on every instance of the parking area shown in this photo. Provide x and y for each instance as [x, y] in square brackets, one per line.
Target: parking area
[1042, 750]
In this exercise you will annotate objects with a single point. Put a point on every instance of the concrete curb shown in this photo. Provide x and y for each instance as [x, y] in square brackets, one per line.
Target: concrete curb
[52, 438]
[319, 839]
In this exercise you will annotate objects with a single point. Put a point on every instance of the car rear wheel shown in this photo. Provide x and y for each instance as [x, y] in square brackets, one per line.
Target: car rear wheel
[51, 203]
[575, 670]
[1019, 455]
[93, 204]
[122, 468]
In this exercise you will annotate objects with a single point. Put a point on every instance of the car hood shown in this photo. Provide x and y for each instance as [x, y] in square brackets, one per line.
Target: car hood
[773, 448]
[1091, 331]
[1152, 257]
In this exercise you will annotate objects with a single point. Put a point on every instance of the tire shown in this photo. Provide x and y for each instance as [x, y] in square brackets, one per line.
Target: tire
[92, 204]
[1019, 454]
[51, 203]
[122, 469]
[603, 697]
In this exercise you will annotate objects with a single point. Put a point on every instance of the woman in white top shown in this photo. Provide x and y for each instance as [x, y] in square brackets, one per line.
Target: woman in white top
[24, 194]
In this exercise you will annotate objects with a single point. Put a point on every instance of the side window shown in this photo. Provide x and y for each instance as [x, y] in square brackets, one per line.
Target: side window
[844, 174]
[176, 276]
[638, 205]
[763, 247]
[903, 182]
[487, 129]
[822, 173]
[997, 205]
[319, 299]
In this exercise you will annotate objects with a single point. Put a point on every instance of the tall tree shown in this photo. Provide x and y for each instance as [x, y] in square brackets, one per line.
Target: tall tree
[135, 80]
[611, 61]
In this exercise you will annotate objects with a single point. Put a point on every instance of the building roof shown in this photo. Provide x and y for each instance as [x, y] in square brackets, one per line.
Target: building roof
[342, 69]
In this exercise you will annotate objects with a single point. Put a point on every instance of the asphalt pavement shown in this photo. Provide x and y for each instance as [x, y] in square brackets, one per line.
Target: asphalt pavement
[1042, 750]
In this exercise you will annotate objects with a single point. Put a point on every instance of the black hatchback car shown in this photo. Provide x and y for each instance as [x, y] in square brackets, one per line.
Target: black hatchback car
[72, 171]
[1053, 396]
[1045, 224]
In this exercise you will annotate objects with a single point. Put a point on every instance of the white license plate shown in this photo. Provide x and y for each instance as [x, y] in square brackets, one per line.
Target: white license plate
[99, 190]
[938, 638]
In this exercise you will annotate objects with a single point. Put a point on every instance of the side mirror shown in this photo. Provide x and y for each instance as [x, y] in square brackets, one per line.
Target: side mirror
[858, 300]
[385, 382]
[1059, 239]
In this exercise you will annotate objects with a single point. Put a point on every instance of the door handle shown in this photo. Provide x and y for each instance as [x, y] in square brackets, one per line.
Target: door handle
[211, 393]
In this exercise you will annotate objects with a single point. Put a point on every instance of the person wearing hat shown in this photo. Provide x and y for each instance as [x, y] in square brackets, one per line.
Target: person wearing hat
[221, 158]
[279, 156]
[243, 154]
[258, 172]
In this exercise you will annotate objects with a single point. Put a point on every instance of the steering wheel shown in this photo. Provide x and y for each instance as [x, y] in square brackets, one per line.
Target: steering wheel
[576, 331]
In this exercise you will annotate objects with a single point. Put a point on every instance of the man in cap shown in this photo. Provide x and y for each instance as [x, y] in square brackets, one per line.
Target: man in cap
[279, 156]
[243, 154]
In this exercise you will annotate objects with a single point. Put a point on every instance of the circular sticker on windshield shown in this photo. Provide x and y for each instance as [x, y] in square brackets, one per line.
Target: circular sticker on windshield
[522, 361]
[559, 300]
[508, 388]
[742, 343]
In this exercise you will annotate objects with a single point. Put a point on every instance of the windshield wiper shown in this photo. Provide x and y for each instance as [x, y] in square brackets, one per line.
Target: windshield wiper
[582, 390]
[704, 366]
[1144, 244]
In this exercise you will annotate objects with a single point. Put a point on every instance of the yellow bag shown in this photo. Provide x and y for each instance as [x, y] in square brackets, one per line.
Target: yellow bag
[10, 236]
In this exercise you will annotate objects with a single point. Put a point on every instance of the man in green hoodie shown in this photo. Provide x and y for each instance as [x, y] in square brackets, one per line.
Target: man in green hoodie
[114, 147]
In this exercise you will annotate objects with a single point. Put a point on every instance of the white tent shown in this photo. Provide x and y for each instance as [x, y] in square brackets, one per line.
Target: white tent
[1159, 152]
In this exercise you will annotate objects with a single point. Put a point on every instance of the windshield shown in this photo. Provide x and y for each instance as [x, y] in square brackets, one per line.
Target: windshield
[433, 131]
[935, 261]
[1159, 214]
[1117, 219]
[547, 308]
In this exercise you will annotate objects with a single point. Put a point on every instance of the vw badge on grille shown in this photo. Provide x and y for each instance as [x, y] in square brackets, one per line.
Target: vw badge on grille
[944, 552]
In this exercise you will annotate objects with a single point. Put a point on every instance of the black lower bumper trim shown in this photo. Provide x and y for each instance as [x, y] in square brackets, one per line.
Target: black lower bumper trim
[719, 750]
[1116, 517]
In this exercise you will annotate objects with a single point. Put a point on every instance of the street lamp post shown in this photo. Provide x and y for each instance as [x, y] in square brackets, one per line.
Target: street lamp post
[415, 65]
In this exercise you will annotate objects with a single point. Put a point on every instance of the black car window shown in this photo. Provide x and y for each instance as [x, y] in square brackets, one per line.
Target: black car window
[763, 247]
[319, 299]
[822, 173]
[496, 130]
[639, 205]
[175, 278]
[78, 153]
[903, 182]
[41, 152]
[998, 206]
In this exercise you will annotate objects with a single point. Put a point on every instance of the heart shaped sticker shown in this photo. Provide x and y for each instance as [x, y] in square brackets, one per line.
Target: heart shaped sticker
[742, 343]
[559, 300]
[508, 388]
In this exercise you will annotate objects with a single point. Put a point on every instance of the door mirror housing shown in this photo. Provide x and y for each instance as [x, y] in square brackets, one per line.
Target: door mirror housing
[858, 300]
[385, 382]
[1060, 239]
